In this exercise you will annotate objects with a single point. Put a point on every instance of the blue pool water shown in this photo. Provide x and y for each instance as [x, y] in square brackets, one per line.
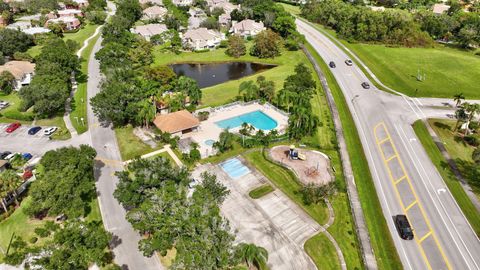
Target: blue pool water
[234, 168]
[258, 119]
[209, 142]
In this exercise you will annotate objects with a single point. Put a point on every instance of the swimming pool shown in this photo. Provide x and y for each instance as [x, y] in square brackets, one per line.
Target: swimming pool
[258, 119]
[234, 168]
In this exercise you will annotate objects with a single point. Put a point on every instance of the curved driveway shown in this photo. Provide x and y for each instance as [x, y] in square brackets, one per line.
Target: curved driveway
[405, 179]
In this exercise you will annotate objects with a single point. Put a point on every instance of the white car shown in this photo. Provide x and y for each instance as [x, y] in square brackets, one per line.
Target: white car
[11, 156]
[49, 131]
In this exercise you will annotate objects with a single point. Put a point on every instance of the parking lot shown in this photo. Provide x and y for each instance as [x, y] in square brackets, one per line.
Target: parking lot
[272, 221]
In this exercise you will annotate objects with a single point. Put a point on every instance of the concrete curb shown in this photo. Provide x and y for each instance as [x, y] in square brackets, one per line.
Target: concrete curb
[368, 255]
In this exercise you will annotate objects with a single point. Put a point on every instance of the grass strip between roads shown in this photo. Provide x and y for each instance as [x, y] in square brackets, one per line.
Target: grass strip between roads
[382, 243]
[260, 191]
[449, 178]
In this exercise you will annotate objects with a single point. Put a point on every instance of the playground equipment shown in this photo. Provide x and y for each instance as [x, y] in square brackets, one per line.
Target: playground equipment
[294, 154]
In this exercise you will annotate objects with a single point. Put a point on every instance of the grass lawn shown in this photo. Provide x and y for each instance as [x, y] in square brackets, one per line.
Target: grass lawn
[18, 223]
[385, 252]
[79, 103]
[130, 145]
[260, 191]
[456, 147]
[81, 35]
[226, 92]
[12, 113]
[448, 70]
[319, 245]
[443, 168]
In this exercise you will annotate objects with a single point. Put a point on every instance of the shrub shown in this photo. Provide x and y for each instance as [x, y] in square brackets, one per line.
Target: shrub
[33, 240]
[42, 232]
[471, 140]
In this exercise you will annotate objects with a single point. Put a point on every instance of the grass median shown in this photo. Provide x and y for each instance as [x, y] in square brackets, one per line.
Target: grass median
[382, 243]
[449, 178]
[260, 191]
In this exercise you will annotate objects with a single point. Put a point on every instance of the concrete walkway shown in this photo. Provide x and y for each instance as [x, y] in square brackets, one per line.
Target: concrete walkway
[167, 148]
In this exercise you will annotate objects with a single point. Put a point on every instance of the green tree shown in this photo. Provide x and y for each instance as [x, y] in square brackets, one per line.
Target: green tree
[236, 46]
[176, 43]
[476, 155]
[266, 44]
[14, 41]
[141, 53]
[252, 255]
[47, 93]
[210, 23]
[96, 16]
[225, 141]
[7, 82]
[146, 113]
[11, 182]
[472, 109]
[461, 116]
[66, 184]
[248, 90]
[284, 25]
[112, 56]
[190, 88]
[266, 89]
[162, 74]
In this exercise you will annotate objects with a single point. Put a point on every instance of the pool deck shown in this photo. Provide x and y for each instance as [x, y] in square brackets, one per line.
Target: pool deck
[208, 130]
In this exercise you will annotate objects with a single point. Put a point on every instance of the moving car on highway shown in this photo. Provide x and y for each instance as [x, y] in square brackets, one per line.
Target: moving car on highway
[348, 62]
[366, 85]
[332, 64]
[403, 227]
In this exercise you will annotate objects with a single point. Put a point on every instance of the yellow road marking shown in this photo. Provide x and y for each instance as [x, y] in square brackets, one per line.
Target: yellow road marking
[384, 140]
[425, 236]
[407, 178]
[390, 158]
[400, 179]
[410, 206]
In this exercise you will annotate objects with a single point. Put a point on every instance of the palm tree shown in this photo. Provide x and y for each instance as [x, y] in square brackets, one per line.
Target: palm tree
[249, 90]
[461, 116]
[3, 194]
[471, 110]
[284, 98]
[12, 181]
[147, 112]
[252, 255]
[458, 99]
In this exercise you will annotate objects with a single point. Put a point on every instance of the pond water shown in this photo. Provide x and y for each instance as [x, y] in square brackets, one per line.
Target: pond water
[212, 74]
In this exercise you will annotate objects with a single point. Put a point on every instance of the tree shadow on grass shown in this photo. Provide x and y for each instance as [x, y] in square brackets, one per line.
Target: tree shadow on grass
[442, 125]
[470, 171]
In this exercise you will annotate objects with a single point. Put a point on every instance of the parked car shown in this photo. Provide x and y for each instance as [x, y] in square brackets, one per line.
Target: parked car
[49, 131]
[11, 156]
[366, 85]
[5, 154]
[12, 127]
[348, 62]
[27, 156]
[4, 104]
[332, 64]
[34, 130]
[27, 174]
[403, 227]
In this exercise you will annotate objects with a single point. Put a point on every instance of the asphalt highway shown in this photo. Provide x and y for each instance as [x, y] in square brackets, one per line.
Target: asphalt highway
[405, 179]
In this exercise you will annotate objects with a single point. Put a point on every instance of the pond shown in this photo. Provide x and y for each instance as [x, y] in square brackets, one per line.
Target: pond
[212, 74]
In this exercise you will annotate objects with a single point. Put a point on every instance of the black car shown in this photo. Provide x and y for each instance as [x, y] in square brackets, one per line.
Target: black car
[366, 85]
[34, 130]
[403, 227]
[4, 154]
[332, 64]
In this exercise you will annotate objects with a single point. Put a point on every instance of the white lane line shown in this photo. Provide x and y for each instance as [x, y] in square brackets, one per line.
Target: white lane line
[402, 132]
[411, 107]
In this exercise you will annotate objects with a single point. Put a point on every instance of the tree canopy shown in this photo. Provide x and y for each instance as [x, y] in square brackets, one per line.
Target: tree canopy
[66, 183]
[12, 41]
[266, 44]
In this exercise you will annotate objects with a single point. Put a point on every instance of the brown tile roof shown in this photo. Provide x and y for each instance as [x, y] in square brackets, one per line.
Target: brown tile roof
[176, 121]
[18, 68]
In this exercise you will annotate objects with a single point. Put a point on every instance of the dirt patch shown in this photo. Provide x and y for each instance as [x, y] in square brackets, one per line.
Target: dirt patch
[314, 169]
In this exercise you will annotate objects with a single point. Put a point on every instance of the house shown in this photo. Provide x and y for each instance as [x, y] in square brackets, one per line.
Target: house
[440, 8]
[71, 23]
[22, 71]
[248, 28]
[212, 3]
[4, 165]
[152, 2]
[176, 123]
[21, 25]
[69, 12]
[224, 19]
[36, 30]
[81, 3]
[154, 12]
[202, 38]
[149, 30]
[182, 3]
[380, 9]
[226, 6]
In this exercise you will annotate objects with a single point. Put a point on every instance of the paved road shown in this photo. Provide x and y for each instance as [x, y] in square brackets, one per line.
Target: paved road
[125, 246]
[405, 178]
